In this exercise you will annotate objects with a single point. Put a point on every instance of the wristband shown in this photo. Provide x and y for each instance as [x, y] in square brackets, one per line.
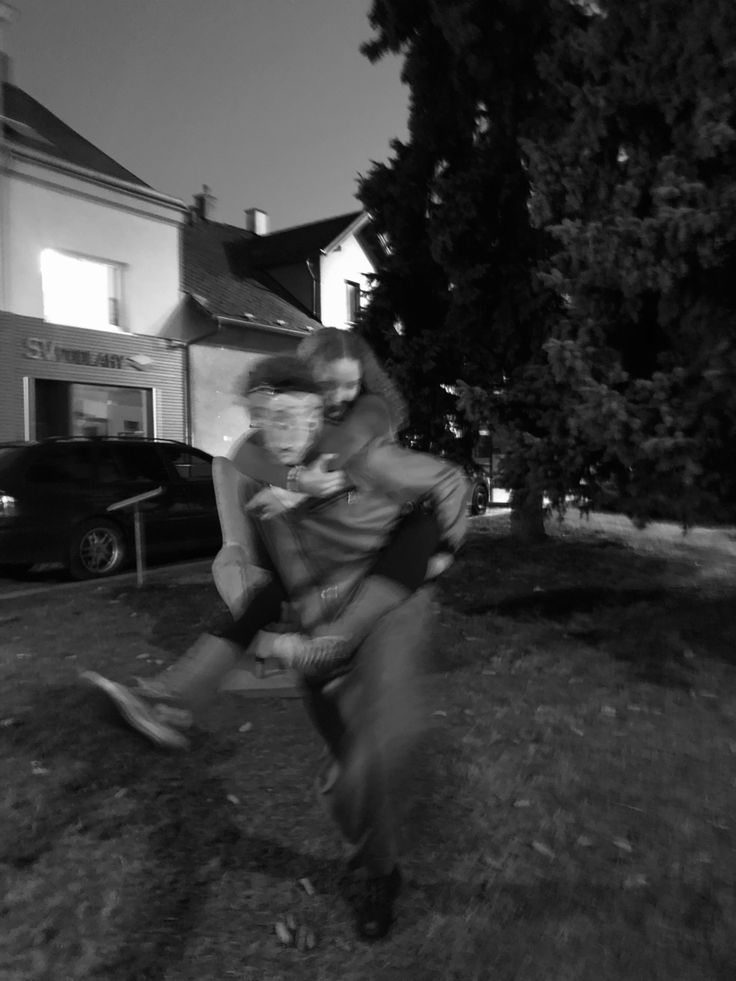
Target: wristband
[292, 479]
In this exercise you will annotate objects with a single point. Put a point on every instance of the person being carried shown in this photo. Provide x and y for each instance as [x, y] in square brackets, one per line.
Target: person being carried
[314, 556]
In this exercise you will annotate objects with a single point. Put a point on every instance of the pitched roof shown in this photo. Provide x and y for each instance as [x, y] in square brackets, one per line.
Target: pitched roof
[29, 124]
[208, 250]
[295, 244]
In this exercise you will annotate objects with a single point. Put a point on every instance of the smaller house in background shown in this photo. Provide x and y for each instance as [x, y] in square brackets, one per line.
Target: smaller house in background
[249, 294]
[324, 265]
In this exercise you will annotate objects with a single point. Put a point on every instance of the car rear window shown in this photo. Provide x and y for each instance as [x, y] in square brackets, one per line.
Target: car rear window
[9, 456]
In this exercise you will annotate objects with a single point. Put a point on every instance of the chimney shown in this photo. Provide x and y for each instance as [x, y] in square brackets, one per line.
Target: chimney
[256, 221]
[204, 205]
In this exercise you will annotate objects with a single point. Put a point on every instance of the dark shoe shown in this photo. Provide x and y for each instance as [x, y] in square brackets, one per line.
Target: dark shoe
[137, 714]
[375, 908]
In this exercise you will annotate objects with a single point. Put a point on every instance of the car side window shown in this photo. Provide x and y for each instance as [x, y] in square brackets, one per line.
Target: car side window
[140, 463]
[109, 469]
[188, 463]
[67, 464]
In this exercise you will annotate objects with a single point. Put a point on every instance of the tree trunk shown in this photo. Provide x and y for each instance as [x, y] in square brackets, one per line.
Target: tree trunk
[527, 517]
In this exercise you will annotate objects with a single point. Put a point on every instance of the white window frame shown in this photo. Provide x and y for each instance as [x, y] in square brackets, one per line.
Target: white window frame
[115, 292]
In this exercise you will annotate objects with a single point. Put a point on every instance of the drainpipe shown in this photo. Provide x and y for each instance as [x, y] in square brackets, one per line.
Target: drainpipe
[7, 15]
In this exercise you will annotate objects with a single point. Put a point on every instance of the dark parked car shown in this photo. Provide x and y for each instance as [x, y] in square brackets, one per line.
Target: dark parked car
[480, 486]
[54, 497]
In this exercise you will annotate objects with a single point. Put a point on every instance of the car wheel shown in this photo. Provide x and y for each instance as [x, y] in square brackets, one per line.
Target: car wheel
[479, 499]
[97, 549]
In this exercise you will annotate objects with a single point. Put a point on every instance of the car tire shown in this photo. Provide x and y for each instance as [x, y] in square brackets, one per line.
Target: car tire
[97, 549]
[479, 499]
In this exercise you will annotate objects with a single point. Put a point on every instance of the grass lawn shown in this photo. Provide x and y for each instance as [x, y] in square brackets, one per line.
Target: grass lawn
[573, 817]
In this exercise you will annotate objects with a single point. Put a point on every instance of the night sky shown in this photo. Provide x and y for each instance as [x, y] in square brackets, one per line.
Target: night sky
[268, 101]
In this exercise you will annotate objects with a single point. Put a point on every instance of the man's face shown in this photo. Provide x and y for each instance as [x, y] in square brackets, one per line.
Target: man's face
[340, 381]
[290, 423]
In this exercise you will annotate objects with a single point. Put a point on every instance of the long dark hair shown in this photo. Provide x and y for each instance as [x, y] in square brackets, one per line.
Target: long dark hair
[331, 344]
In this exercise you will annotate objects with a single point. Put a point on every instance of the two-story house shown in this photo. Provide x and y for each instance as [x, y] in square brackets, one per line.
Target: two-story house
[250, 293]
[89, 287]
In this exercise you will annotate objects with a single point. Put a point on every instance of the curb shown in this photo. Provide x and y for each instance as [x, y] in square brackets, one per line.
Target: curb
[181, 572]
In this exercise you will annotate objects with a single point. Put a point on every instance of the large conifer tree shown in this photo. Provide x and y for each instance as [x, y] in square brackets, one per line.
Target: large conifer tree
[453, 296]
[634, 173]
[561, 230]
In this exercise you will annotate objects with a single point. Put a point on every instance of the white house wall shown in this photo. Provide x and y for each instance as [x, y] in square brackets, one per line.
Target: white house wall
[96, 222]
[218, 373]
[346, 263]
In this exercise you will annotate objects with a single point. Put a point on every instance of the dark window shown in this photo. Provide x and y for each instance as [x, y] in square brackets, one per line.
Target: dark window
[63, 465]
[140, 463]
[189, 464]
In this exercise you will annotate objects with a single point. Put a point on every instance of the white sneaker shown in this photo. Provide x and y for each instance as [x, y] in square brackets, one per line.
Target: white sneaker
[136, 713]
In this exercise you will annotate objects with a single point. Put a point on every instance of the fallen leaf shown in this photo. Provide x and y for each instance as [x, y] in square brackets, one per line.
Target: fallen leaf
[636, 881]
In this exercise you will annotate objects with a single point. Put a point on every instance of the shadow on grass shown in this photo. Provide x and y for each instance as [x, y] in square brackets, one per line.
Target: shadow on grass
[174, 801]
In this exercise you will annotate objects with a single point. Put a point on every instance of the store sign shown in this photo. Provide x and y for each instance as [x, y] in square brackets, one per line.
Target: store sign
[42, 350]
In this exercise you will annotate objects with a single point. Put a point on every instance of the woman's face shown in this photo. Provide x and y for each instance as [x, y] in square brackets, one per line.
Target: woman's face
[340, 381]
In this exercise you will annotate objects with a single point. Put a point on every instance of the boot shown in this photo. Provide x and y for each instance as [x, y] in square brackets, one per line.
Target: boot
[332, 643]
[193, 680]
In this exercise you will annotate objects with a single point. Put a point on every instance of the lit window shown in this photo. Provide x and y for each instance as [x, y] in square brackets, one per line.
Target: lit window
[353, 301]
[80, 292]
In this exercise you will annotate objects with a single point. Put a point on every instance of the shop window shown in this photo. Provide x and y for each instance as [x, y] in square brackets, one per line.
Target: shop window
[101, 410]
[69, 409]
[81, 292]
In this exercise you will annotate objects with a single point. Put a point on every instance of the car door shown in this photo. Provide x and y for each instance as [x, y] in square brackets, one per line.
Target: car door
[142, 469]
[191, 474]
